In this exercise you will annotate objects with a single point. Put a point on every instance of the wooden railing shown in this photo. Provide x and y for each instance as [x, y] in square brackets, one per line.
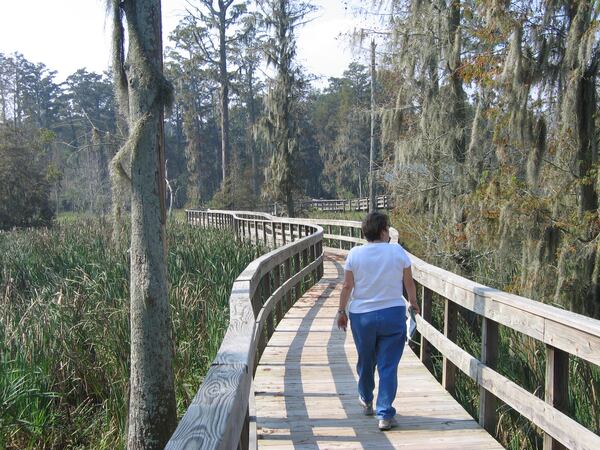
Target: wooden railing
[564, 333]
[354, 204]
[218, 416]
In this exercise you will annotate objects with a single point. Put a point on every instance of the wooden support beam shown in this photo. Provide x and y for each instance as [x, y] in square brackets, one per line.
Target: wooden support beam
[449, 369]
[276, 283]
[426, 314]
[312, 256]
[557, 388]
[297, 294]
[287, 274]
[488, 403]
[245, 434]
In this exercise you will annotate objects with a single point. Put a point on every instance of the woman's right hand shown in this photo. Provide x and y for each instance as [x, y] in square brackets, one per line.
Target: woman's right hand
[342, 321]
[415, 307]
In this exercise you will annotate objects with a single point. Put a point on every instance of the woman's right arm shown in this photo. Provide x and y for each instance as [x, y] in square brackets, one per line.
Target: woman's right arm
[342, 318]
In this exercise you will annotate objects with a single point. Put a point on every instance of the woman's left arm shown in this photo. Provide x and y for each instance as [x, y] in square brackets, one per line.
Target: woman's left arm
[411, 289]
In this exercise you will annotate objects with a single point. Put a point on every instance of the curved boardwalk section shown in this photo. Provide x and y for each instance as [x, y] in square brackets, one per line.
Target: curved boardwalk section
[305, 387]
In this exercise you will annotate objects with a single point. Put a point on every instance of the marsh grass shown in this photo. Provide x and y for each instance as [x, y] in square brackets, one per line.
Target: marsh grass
[64, 328]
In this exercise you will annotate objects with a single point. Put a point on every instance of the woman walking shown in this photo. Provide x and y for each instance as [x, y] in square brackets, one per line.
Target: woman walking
[374, 274]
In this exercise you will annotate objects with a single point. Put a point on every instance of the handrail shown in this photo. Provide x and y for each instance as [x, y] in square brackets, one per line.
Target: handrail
[564, 333]
[352, 204]
[218, 417]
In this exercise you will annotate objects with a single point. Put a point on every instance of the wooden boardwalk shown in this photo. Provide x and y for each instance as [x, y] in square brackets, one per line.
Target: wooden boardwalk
[306, 395]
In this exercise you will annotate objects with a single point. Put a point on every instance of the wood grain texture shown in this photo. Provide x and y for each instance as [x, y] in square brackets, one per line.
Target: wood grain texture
[571, 332]
[217, 417]
[552, 421]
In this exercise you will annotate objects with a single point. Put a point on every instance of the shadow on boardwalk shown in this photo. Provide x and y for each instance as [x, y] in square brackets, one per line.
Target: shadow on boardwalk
[306, 394]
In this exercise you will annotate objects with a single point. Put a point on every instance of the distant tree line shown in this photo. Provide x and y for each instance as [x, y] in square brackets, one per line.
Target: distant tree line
[221, 136]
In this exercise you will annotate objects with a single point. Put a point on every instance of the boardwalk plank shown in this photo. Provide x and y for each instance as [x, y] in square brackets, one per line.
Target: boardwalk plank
[306, 396]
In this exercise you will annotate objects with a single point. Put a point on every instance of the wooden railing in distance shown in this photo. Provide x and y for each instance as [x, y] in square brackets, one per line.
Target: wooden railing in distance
[354, 204]
[218, 417]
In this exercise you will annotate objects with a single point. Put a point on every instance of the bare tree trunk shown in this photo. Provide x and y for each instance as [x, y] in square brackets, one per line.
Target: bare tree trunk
[372, 148]
[252, 122]
[458, 94]
[585, 105]
[152, 409]
[224, 97]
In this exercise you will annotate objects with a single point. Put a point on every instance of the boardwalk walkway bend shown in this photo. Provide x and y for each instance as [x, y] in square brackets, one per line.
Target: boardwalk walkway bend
[284, 375]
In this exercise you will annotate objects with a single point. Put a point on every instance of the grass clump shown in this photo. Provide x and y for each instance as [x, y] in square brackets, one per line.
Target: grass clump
[64, 328]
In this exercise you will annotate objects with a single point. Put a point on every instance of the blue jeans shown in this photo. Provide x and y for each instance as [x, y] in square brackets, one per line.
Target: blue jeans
[379, 337]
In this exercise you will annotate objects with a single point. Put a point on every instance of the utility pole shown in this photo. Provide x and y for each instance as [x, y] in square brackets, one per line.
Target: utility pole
[372, 151]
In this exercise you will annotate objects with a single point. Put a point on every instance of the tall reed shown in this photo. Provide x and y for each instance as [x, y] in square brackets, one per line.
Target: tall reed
[64, 328]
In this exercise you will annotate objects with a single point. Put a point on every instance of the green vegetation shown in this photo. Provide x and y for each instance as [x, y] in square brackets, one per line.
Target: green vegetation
[64, 332]
[24, 178]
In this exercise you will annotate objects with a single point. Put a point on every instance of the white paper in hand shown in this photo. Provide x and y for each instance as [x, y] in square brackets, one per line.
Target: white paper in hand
[411, 323]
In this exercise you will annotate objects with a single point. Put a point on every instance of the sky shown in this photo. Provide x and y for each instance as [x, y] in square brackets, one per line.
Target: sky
[67, 35]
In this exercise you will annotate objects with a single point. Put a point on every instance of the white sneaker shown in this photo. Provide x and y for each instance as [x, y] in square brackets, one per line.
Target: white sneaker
[387, 424]
[367, 407]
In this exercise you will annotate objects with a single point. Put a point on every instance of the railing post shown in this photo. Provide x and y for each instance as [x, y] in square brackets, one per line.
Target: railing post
[264, 230]
[297, 269]
[287, 274]
[449, 369]
[283, 233]
[266, 293]
[426, 315]
[319, 251]
[488, 417]
[244, 443]
[276, 284]
[303, 265]
[557, 387]
[312, 257]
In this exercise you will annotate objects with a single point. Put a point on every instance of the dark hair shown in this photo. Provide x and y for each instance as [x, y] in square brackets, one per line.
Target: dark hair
[373, 225]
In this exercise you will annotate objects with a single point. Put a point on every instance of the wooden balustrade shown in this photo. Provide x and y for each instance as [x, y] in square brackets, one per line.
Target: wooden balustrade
[220, 409]
[218, 417]
[564, 333]
[339, 205]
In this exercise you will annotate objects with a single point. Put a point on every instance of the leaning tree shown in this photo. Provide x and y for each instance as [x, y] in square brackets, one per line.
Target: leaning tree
[143, 92]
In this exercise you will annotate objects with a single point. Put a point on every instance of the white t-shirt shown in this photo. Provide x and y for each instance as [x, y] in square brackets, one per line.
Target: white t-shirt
[377, 268]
